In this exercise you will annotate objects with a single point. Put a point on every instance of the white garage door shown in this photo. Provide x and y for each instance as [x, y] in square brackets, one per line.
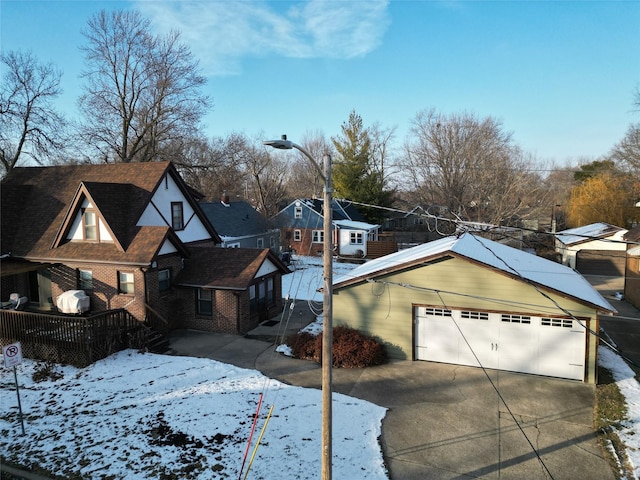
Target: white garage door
[552, 347]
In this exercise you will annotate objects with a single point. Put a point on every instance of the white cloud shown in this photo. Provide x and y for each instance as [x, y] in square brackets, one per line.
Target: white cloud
[222, 33]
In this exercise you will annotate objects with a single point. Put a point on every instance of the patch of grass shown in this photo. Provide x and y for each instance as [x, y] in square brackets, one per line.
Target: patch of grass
[610, 413]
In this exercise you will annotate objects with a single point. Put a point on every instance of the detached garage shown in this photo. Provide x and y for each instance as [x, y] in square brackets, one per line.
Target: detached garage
[471, 301]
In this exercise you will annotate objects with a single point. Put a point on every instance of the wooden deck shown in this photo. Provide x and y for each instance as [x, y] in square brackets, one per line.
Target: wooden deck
[68, 339]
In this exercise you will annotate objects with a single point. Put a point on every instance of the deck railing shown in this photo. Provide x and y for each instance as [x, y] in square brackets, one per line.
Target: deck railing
[75, 340]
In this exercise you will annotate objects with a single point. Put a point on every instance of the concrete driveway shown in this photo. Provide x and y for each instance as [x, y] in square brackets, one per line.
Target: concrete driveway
[444, 421]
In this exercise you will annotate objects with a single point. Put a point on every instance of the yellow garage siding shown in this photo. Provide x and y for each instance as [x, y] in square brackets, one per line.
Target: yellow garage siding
[384, 309]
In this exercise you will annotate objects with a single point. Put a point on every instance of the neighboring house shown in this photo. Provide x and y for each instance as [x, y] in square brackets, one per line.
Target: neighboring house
[595, 249]
[473, 301]
[302, 226]
[132, 236]
[240, 225]
[632, 267]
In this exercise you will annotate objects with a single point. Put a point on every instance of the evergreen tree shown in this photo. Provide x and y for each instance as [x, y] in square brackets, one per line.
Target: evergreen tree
[354, 175]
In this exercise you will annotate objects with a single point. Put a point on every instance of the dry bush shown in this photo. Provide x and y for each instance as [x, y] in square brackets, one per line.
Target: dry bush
[351, 348]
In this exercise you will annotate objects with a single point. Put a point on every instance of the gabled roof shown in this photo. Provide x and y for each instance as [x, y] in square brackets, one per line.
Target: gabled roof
[38, 204]
[111, 201]
[341, 209]
[588, 233]
[236, 219]
[502, 258]
[225, 268]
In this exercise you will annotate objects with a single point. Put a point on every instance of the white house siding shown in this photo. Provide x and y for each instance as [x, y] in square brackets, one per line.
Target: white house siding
[386, 310]
[167, 248]
[158, 212]
[76, 233]
[345, 245]
[266, 268]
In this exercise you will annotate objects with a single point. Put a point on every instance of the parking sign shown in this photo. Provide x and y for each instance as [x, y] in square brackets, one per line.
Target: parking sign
[12, 354]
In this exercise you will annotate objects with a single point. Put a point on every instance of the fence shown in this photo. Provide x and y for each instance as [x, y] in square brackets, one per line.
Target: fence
[377, 249]
[77, 341]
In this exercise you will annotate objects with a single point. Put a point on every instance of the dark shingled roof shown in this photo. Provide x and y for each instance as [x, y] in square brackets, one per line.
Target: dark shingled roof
[225, 268]
[36, 202]
[341, 209]
[235, 219]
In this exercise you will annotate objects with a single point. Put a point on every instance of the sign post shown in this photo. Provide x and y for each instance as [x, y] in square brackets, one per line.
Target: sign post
[12, 354]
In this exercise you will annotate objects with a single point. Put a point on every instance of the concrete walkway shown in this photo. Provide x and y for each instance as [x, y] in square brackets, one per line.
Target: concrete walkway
[443, 421]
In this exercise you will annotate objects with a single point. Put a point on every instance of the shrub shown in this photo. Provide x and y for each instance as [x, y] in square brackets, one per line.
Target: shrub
[46, 371]
[351, 348]
[305, 345]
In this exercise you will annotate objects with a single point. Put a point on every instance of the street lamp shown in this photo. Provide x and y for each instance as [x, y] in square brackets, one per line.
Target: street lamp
[327, 305]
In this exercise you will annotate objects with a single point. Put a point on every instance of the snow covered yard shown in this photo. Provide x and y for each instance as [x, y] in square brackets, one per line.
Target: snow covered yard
[630, 389]
[138, 416]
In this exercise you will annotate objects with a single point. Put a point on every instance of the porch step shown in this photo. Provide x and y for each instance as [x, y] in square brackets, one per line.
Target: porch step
[147, 339]
[157, 343]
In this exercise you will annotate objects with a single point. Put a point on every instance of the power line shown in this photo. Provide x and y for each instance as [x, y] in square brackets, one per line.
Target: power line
[500, 397]
[467, 225]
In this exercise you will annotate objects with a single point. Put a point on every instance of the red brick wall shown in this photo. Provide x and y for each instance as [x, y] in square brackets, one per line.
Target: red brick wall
[172, 309]
[167, 305]
[104, 295]
[304, 246]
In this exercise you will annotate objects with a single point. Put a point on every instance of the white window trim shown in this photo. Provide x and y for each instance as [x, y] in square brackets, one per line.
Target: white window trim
[357, 236]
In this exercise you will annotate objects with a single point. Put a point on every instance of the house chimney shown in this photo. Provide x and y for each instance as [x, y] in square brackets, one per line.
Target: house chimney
[225, 199]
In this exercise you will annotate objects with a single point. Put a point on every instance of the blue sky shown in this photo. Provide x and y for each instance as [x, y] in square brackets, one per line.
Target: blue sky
[560, 75]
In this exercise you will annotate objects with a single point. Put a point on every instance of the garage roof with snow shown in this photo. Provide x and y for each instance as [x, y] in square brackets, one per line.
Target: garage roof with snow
[528, 267]
[587, 233]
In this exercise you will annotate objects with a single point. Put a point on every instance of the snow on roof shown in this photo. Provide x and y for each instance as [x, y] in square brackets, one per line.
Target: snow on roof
[588, 232]
[355, 225]
[492, 254]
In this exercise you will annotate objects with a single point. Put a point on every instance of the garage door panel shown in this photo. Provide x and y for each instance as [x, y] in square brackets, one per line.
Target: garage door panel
[436, 336]
[562, 348]
[517, 347]
[476, 342]
[553, 347]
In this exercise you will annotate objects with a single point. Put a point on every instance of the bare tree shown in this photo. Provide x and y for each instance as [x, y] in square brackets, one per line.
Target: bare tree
[383, 155]
[268, 175]
[30, 127]
[142, 93]
[216, 166]
[468, 165]
[303, 180]
[627, 152]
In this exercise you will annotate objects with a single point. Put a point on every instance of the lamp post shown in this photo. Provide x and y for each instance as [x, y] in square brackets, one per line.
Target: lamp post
[327, 304]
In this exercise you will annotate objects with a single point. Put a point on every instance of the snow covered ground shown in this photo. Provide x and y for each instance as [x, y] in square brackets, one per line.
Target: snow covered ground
[139, 416]
[630, 389]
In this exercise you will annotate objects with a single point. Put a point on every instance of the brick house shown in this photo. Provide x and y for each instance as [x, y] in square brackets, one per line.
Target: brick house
[133, 237]
[301, 225]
